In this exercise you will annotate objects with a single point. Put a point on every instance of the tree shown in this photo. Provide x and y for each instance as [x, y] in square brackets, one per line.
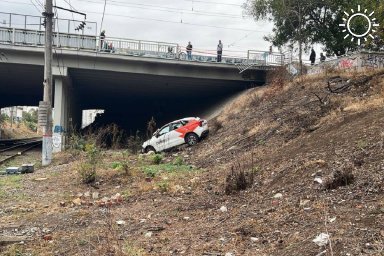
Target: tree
[3, 119]
[311, 21]
[30, 119]
[151, 127]
[378, 7]
[296, 22]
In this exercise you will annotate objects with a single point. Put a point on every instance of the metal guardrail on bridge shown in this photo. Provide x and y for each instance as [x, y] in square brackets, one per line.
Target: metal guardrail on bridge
[30, 34]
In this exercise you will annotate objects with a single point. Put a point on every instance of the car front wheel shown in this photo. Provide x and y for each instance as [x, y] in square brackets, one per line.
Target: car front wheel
[192, 139]
[149, 149]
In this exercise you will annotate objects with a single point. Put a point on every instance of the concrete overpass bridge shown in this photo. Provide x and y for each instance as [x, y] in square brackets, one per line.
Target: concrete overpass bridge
[131, 80]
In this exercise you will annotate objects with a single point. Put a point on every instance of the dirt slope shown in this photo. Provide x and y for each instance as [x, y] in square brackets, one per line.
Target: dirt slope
[292, 135]
[284, 136]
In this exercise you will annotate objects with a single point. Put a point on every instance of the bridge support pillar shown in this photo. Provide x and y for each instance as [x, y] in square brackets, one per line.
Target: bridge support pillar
[60, 113]
[65, 114]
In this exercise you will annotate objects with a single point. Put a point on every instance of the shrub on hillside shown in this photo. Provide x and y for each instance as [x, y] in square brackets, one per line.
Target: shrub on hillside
[87, 168]
[238, 179]
[87, 172]
[340, 178]
[157, 158]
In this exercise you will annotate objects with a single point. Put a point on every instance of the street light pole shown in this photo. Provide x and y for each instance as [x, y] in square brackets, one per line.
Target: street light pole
[47, 100]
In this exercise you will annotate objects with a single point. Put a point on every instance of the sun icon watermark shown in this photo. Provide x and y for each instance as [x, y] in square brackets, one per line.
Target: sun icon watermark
[371, 25]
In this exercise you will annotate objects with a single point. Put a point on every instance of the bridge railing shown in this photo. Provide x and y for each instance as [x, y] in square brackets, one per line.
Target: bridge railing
[135, 47]
[31, 22]
[266, 58]
[27, 37]
[132, 47]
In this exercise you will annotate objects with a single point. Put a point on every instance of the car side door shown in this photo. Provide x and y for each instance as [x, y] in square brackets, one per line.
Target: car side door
[162, 138]
[175, 137]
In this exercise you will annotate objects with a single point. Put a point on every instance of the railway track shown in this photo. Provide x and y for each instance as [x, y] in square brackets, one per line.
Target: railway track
[10, 149]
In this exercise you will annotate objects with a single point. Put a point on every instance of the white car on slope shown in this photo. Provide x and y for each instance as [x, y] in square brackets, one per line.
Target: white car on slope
[187, 130]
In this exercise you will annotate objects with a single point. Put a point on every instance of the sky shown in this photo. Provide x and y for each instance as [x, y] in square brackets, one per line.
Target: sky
[203, 22]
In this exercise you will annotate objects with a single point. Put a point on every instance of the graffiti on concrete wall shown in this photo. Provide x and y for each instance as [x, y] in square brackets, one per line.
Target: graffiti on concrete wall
[342, 63]
[362, 60]
[372, 61]
[346, 63]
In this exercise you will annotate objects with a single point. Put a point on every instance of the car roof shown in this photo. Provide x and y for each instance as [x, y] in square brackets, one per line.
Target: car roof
[183, 119]
[186, 119]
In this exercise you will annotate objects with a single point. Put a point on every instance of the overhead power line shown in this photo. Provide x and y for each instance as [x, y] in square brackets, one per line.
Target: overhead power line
[166, 9]
[177, 22]
[160, 20]
[215, 3]
[38, 10]
[40, 3]
[70, 10]
[70, 5]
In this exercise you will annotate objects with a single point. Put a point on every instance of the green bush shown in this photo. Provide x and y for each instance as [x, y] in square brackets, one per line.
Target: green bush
[31, 126]
[150, 172]
[157, 158]
[178, 161]
[87, 168]
[153, 170]
[93, 153]
[87, 172]
[163, 186]
[117, 165]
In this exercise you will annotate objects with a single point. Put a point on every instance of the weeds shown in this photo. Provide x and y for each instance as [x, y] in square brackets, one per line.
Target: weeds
[178, 161]
[157, 159]
[163, 186]
[240, 177]
[9, 182]
[134, 143]
[123, 165]
[150, 172]
[132, 250]
[13, 250]
[340, 178]
[87, 168]
[278, 76]
[109, 136]
[238, 180]
[154, 170]
[362, 144]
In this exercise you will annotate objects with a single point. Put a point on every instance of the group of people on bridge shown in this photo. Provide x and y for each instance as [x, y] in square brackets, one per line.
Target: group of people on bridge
[219, 51]
[105, 46]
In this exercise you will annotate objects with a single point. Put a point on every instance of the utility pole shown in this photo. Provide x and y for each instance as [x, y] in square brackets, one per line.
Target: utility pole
[46, 105]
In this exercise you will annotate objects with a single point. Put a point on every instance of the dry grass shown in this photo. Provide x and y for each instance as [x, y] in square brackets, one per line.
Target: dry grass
[364, 105]
[17, 131]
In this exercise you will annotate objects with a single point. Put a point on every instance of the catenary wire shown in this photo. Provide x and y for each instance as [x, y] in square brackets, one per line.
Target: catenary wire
[165, 9]
[161, 20]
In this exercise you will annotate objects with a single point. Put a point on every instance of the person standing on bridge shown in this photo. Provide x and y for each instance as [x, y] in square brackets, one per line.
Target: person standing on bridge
[219, 51]
[102, 38]
[322, 57]
[189, 50]
[312, 57]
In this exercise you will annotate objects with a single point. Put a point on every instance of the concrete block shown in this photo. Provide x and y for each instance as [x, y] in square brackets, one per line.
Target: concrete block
[13, 170]
[27, 168]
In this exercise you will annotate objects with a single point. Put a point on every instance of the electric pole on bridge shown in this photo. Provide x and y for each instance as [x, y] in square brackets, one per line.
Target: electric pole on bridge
[45, 106]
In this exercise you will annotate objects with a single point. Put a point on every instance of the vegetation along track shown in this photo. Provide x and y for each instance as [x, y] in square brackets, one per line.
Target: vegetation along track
[10, 149]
